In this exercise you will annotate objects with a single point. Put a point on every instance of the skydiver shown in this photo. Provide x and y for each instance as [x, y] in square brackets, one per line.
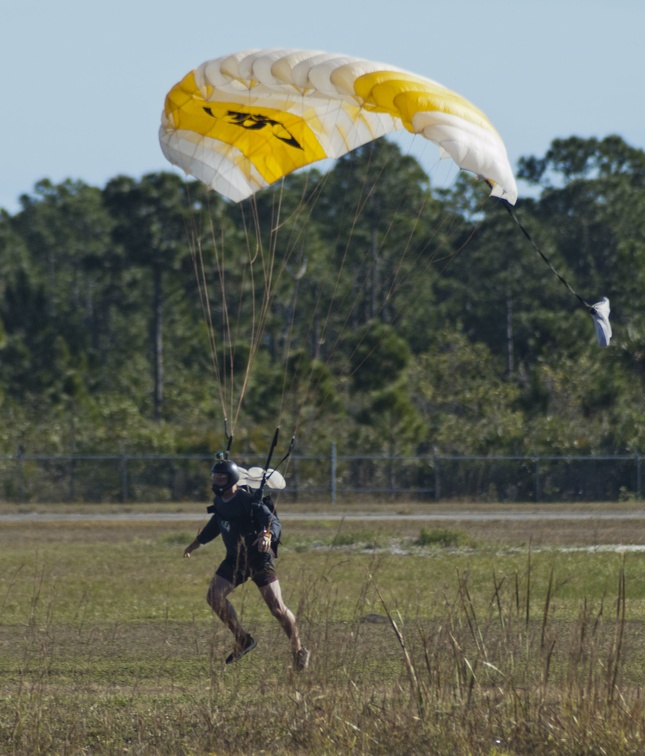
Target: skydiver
[250, 532]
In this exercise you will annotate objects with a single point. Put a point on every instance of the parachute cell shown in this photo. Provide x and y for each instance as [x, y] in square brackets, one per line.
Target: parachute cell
[241, 122]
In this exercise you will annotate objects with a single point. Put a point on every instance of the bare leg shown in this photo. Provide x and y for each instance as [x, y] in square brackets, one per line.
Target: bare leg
[272, 594]
[217, 598]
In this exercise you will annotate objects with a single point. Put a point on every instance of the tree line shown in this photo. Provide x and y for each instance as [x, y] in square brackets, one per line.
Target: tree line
[361, 305]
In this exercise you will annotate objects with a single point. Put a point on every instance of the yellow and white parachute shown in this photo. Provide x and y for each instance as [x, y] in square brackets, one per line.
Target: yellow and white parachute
[241, 122]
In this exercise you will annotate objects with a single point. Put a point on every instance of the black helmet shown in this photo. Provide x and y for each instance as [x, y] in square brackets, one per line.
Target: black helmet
[228, 468]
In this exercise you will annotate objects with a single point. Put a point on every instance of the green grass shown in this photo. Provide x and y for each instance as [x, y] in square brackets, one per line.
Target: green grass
[442, 537]
[423, 641]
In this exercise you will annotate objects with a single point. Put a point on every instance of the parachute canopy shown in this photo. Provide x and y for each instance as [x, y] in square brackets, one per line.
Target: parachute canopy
[243, 121]
[254, 476]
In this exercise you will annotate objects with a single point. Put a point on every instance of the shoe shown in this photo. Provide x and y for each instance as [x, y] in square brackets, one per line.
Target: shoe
[241, 649]
[301, 659]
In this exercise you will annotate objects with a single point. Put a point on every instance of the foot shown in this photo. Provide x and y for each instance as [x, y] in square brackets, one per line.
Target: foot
[242, 648]
[301, 658]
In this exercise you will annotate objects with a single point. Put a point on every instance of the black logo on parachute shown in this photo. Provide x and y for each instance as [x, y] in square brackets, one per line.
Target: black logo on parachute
[255, 122]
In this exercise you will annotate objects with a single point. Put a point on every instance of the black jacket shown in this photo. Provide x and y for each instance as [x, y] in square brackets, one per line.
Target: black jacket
[238, 521]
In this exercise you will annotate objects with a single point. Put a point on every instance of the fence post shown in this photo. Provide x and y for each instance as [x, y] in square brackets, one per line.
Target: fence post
[538, 491]
[72, 479]
[20, 459]
[638, 476]
[124, 478]
[437, 479]
[333, 462]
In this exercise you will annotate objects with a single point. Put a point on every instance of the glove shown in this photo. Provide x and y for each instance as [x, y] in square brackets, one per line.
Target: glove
[264, 542]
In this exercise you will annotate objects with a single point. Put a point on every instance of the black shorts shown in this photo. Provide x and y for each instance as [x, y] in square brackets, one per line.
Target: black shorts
[258, 566]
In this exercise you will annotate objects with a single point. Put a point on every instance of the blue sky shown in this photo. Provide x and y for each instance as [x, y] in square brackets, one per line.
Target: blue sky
[83, 81]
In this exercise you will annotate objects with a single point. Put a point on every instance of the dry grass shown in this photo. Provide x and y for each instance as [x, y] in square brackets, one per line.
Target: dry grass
[494, 647]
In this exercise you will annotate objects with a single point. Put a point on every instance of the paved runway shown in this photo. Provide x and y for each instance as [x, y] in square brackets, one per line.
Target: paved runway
[438, 516]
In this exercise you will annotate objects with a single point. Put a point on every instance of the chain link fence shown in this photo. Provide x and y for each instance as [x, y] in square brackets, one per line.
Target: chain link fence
[130, 478]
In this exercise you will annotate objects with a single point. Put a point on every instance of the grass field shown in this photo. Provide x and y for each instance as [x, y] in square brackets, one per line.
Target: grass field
[463, 637]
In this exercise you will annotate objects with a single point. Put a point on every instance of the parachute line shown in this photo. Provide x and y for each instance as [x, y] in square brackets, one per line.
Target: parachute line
[528, 236]
[202, 288]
